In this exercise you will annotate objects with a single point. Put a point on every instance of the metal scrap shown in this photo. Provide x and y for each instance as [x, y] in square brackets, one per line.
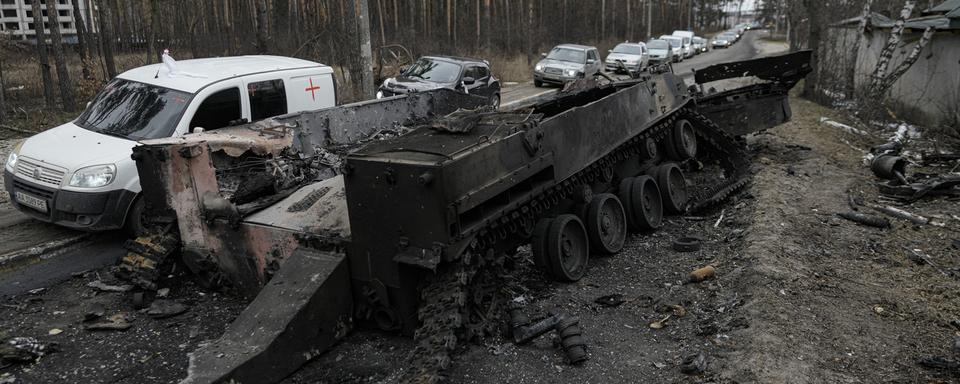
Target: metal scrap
[865, 219]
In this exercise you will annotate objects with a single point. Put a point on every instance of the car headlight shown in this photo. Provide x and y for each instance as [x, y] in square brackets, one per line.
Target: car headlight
[13, 156]
[379, 94]
[93, 177]
[538, 67]
[571, 72]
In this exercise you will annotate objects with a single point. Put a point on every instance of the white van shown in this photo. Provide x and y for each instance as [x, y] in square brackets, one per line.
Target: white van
[80, 174]
[687, 37]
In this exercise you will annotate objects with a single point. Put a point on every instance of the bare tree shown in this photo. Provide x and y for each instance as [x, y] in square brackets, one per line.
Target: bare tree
[107, 41]
[42, 54]
[263, 34]
[63, 75]
[813, 8]
[366, 56]
[896, 34]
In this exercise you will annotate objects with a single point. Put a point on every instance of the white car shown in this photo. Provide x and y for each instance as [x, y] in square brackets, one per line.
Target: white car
[80, 174]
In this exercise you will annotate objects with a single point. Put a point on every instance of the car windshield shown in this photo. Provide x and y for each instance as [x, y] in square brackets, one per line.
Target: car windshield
[725, 37]
[567, 54]
[658, 45]
[436, 71]
[630, 49]
[135, 110]
[673, 42]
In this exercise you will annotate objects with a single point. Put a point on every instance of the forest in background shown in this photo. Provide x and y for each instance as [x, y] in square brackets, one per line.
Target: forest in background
[509, 33]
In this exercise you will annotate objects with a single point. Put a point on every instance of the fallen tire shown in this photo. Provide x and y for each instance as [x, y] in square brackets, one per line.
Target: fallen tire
[606, 224]
[567, 248]
[686, 244]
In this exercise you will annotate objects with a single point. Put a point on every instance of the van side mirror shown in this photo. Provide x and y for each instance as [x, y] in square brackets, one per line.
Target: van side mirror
[543, 55]
[469, 80]
[591, 61]
[88, 104]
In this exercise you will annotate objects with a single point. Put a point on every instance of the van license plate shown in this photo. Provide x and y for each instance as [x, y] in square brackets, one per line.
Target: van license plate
[32, 202]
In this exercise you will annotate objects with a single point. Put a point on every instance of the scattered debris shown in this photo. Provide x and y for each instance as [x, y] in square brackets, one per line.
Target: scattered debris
[687, 244]
[54, 331]
[163, 292]
[659, 324]
[919, 257]
[901, 214]
[843, 127]
[36, 291]
[694, 364]
[161, 309]
[613, 300]
[566, 326]
[117, 322]
[865, 219]
[93, 311]
[702, 274]
[939, 363]
[25, 349]
[100, 285]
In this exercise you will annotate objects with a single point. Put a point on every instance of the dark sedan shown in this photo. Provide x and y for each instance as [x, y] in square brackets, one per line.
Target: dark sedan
[472, 76]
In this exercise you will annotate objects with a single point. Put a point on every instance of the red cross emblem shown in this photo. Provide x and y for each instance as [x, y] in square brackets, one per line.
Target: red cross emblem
[312, 89]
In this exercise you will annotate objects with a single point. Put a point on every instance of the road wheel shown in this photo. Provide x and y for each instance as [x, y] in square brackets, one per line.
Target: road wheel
[682, 141]
[606, 224]
[568, 249]
[134, 223]
[538, 244]
[495, 101]
[625, 193]
[647, 204]
[673, 187]
[537, 83]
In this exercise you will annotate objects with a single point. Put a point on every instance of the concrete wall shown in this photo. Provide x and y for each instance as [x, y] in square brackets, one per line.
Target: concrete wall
[929, 92]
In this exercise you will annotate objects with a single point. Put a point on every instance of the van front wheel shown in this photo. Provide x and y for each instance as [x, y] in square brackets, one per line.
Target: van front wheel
[134, 224]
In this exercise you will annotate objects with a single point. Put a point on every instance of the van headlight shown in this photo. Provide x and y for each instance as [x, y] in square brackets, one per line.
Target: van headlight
[538, 67]
[13, 156]
[379, 94]
[94, 177]
[571, 72]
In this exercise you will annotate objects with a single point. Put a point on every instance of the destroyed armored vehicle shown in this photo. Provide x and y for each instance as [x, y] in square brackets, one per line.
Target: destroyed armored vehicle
[404, 213]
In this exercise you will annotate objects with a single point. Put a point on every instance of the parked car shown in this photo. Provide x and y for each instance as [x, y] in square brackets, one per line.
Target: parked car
[632, 56]
[687, 36]
[723, 40]
[700, 44]
[660, 52]
[567, 62]
[80, 174]
[676, 47]
[463, 74]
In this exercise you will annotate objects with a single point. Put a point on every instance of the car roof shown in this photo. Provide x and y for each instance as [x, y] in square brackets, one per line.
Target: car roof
[456, 59]
[199, 73]
[575, 46]
[639, 43]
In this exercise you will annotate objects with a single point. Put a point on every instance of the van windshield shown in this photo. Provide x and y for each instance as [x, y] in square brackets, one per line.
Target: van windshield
[134, 110]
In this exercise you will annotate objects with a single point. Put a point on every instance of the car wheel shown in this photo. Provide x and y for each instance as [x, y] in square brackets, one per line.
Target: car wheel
[134, 224]
[537, 83]
[495, 101]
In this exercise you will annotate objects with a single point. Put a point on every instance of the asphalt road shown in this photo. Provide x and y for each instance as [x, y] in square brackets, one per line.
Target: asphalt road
[21, 236]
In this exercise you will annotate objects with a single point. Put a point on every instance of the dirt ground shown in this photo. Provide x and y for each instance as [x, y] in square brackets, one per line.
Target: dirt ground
[800, 296]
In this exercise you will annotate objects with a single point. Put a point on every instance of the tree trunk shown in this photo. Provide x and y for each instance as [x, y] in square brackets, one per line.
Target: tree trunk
[904, 66]
[63, 75]
[896, 33]
[83, 41]
[263, 32]
[42, 53]
[106, 39]
[851, 75]
[813, 39]
[151, 27]
[3, 95]
[366, 56]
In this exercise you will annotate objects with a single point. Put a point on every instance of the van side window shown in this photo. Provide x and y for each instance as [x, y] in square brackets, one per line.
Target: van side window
[592, 55]
[218, 110]
[267, 99]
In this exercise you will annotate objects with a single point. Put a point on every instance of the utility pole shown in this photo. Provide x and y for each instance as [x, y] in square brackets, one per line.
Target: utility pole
[366, 54]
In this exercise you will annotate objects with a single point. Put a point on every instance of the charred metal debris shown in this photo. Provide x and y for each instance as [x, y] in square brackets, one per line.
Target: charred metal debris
[406, 213]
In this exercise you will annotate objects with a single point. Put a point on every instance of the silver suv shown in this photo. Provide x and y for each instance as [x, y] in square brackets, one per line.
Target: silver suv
[567, 62]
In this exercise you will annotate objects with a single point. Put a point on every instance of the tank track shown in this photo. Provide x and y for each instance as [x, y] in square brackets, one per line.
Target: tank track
[444, 301]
